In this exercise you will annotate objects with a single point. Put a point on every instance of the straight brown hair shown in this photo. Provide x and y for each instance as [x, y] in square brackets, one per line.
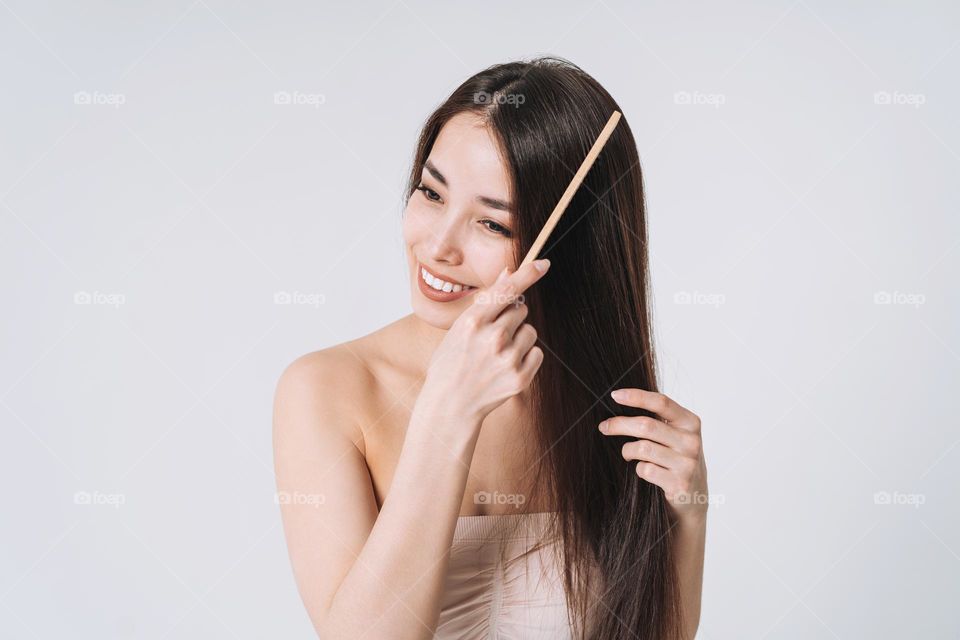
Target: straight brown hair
[593, 318]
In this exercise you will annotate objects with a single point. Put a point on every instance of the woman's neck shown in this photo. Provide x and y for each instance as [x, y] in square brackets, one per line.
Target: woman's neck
[421, 340]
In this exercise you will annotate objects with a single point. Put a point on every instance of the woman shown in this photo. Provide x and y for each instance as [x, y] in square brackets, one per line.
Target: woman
[426, 446]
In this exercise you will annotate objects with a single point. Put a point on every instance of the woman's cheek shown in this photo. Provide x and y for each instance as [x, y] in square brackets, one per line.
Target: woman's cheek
[414, 224]
[490, 265]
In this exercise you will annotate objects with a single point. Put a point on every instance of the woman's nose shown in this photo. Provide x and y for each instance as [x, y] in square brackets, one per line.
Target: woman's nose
[445, 244]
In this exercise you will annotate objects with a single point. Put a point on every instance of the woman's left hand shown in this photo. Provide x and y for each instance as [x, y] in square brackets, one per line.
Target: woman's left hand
[669, 451]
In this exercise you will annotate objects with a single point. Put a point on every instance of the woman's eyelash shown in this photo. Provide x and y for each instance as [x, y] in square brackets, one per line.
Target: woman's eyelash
[495, 226]
[425, 189]
[502, 230]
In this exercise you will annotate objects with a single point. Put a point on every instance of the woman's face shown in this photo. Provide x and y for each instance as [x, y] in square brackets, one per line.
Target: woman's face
[458, 226]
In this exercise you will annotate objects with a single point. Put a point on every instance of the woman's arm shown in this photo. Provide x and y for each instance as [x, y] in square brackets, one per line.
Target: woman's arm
[360, 572]
[689, 538]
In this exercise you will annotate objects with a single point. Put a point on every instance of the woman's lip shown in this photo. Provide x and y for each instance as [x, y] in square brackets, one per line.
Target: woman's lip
[438, 296]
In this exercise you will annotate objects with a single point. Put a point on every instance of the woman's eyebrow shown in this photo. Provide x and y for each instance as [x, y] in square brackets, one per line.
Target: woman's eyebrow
[493, 203]
[435, 172]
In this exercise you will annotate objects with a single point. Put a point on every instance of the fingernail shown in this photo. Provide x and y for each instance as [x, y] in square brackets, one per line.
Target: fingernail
[603, 426]
[542, 264]
[617, 394]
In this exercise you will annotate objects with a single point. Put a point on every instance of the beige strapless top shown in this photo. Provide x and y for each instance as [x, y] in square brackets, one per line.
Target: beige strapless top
[499, 585]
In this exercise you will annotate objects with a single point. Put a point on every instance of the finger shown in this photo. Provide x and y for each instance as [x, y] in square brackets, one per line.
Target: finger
[651, 429]
[511, 318]
[531, 363]
[654, 474]
[507, 287]
[649, 451]
[524, 340]
[659, 404]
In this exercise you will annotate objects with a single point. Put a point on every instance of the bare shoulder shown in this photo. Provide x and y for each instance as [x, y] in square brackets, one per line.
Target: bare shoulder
[327, 498]
[328, 384]
[342, 385]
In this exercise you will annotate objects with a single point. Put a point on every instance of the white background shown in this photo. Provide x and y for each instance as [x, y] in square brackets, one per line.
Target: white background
[182, 198]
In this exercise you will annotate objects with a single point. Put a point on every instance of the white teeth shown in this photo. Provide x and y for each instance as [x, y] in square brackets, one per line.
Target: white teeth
[441, 285]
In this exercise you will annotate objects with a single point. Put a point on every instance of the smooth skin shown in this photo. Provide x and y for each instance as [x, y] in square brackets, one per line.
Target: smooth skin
[381, 442]
[364, 574]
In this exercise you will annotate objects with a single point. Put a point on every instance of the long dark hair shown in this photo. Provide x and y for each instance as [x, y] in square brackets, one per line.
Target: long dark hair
[592, 314]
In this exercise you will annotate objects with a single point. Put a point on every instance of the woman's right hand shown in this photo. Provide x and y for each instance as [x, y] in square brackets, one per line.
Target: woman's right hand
[488, 354]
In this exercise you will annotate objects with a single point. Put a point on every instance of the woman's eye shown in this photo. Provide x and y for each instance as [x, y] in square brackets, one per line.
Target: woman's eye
[433, 196]
[497, 228]
[429, 193]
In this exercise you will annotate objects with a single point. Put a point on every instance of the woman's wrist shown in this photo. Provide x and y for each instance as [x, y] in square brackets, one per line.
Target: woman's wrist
[444, 423]
[691, 520]
[443, 405]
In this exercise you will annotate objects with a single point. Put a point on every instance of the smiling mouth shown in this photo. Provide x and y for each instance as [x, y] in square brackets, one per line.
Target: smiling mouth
[439, 284]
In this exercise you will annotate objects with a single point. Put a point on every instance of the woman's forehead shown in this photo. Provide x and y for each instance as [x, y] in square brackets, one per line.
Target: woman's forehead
[467, 155]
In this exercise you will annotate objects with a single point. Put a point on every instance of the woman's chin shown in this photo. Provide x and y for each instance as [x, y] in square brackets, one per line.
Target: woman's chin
[437, 318]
